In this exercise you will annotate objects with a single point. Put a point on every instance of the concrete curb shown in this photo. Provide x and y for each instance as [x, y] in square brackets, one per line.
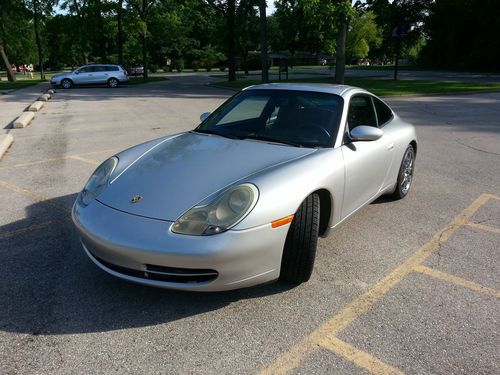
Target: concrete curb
[23, 120]
[44, 98]
[36, 106]
[5, 142]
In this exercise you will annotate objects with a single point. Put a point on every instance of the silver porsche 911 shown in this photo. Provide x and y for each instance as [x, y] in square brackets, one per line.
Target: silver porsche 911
[242, 199]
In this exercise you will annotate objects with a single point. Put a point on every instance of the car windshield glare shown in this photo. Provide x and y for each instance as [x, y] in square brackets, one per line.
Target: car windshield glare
[297, 118]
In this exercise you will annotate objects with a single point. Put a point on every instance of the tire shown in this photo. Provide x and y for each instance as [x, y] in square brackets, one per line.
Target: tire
[405, 175]
[113, 82]
[299, 252]
[66, 83]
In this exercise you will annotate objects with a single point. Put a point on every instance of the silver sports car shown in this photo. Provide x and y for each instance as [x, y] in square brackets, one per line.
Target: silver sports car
[242, 199]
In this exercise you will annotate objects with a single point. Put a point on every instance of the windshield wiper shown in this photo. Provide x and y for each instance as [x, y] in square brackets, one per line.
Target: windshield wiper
[261, 137]
[215, 132]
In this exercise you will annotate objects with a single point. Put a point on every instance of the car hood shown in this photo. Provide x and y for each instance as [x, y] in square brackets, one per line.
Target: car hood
[179, 172]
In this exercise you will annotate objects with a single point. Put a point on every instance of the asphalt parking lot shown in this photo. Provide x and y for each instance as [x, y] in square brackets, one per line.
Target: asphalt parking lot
[411, 286]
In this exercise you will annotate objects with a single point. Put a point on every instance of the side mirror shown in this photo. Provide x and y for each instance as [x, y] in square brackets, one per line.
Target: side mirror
[204, 116]
[365, 133]
[76, 72]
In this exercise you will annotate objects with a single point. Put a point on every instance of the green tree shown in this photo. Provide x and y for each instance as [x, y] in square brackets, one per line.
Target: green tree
[469, 30]
[16, 34]
[142, 9]
[363, 34]
[227, 8]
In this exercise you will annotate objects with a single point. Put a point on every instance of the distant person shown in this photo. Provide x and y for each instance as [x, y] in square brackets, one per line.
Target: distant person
[30, 70]
[21, 68]
[13, 68]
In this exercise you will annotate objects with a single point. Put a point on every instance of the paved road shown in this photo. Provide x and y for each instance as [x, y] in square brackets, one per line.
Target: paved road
[437, 313]
[15, 102]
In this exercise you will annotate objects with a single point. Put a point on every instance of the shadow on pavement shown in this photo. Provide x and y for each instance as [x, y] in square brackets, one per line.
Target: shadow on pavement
[50, 287]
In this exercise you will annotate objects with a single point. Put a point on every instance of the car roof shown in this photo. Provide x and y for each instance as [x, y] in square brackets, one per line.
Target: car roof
[314, 87]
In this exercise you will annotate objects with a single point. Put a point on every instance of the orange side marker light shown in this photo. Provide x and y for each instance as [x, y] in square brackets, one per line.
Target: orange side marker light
[282, 221]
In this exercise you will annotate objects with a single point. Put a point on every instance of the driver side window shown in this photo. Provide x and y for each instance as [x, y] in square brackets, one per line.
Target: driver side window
[361, 112]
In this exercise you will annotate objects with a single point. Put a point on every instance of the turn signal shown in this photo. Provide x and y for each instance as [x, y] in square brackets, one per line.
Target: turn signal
[282, 221]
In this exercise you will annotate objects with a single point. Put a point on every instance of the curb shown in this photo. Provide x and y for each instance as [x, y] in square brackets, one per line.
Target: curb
[44, 98]
[36, 106]
[5, 142]
[23, 120]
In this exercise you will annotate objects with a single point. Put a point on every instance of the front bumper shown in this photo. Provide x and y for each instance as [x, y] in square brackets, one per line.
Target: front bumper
[134, 248]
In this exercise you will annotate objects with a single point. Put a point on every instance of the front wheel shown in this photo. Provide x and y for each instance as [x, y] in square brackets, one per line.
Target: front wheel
[405, 175]
[112, 82]
[66, 83]
[300, 245]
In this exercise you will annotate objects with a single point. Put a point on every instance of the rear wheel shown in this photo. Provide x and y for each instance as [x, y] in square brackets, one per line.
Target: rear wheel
[300, 246]
[66, 83]
[112, 82]
[405, 175]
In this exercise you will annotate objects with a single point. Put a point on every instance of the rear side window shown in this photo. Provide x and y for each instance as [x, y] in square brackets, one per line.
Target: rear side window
[384, 113]
[361, 112]
[111, 68]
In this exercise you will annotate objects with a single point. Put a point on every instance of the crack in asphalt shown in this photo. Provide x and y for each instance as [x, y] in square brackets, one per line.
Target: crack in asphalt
[474, 148]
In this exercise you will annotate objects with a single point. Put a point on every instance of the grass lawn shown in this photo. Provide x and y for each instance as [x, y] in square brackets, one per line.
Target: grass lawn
[19, 84]
[387, 87]
[383, 67]
[25, 82]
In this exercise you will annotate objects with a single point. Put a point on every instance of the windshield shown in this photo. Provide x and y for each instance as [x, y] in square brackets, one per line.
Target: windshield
[297, 118]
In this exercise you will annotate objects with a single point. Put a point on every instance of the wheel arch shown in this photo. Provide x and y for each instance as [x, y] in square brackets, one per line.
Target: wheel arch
[325, 210]
[414, 145]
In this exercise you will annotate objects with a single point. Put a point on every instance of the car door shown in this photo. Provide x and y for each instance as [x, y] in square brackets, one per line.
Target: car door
[82, 76]
[102, 73]
[366, 162]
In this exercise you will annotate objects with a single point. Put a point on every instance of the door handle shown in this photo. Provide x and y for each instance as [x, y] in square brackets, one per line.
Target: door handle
[390, 146]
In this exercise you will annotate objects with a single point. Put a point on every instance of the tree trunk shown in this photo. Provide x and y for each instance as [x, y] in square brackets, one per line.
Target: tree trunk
[144, 54]
[36, 24]
[120, 32]
[245, 61]
[10, 76]
[263, 40]
[231, 15]
[340, 55]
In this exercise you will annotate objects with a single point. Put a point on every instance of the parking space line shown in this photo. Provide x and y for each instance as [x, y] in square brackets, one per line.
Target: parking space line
[294, 356]
[34, 196]
[359, 357]
[486, 228]
[457, 281]
[89, 161]
[31, 163]
[27, 229]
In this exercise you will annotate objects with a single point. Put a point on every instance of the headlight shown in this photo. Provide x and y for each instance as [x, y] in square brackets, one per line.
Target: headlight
[98, 181]
[219, 213]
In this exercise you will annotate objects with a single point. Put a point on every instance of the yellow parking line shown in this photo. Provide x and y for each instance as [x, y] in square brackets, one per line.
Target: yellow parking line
[27, 229]
[358, 357]
[36, 162]
[292, 358]
[486, 228]
[457, 280]
[89, 161]
[34, 196]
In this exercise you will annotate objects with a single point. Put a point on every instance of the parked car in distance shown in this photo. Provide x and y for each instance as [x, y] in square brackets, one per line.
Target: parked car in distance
[136, 70]
[95, 74]
[241, 199]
